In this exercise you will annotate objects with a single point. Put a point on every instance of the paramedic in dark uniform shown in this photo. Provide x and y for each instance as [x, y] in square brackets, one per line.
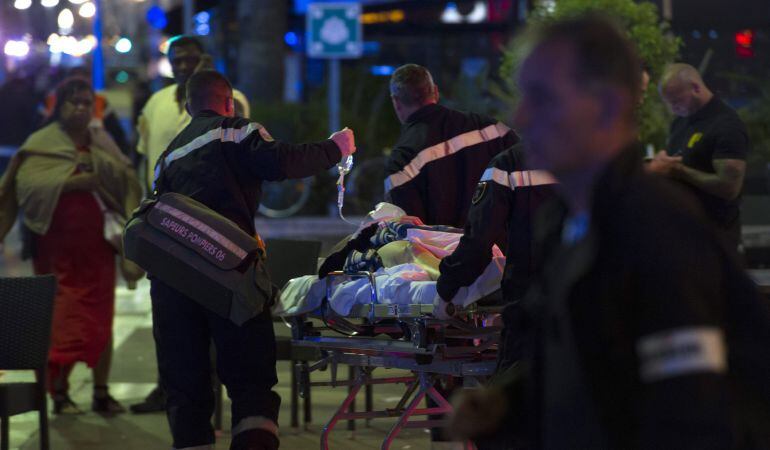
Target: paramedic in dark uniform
[441, 153]
[221, 160]
[706, 149]
[502, 210]
[638, 306]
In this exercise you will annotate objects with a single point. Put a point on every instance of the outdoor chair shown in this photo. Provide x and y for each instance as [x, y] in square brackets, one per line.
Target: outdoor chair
[289, 258]
[26, 309]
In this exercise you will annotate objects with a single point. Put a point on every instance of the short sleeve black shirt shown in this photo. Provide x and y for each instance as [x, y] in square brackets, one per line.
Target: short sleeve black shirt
[714, 132]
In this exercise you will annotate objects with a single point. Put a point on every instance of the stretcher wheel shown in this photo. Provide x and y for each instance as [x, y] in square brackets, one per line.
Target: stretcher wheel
[297, 327]
[304, 382]
[406, 330]
[420, 334]
[423, 359]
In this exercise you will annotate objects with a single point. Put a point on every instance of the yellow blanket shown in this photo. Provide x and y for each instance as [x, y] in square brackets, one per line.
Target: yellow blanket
[37, 173]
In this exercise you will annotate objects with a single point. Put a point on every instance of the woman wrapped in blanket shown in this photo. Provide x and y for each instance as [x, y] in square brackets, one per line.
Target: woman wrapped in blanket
[74, 188]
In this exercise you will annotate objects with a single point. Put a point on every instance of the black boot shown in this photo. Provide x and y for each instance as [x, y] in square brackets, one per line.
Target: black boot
[254, 439]
[154, 402]
[63, 405]
[104, 403]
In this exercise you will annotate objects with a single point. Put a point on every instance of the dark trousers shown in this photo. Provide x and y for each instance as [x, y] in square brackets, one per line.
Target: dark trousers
[510, 350]
[183, 330]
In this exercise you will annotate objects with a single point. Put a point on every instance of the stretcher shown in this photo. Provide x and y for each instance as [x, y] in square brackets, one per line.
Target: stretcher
[396, 336]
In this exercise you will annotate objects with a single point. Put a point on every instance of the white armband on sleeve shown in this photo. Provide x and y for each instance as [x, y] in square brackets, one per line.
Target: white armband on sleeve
[681, 351]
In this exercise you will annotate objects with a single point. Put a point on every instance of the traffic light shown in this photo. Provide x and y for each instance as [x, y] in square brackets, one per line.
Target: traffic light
[744, 43]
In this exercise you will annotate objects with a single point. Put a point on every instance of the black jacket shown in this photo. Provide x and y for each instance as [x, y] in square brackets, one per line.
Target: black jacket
[712, 133]
[501, 213]
[634, 324]
[221, 162]
[439, 157]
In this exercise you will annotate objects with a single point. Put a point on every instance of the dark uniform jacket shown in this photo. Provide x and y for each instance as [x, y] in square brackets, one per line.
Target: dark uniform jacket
[438, 159]
[634, 323]
[501, 213]
[221, 162]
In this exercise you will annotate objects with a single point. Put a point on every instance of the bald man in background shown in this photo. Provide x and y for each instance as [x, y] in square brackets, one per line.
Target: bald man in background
[706, 149]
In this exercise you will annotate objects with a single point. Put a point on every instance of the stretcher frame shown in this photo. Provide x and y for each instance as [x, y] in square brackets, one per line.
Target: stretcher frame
[420, 346]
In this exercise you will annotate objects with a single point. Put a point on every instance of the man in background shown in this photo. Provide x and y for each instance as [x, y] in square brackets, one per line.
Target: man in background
[706, 149]
[441, 153]
[221, 160]
[162, 119]
[507, 199]
[164, 116]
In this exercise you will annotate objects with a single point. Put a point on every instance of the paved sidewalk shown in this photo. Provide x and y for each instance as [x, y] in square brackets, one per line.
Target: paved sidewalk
[134, 373]
[133, 376]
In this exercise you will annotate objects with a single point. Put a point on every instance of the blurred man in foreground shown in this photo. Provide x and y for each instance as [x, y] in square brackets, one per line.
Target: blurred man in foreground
[630, 345]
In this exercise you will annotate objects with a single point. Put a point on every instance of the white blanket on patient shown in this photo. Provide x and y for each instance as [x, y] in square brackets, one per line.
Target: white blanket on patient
[403, 284]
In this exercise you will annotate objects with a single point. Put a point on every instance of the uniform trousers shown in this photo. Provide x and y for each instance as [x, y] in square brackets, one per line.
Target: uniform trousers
[183, 330]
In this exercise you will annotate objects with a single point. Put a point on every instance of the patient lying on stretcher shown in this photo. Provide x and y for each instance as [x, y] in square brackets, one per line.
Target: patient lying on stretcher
[404, 255]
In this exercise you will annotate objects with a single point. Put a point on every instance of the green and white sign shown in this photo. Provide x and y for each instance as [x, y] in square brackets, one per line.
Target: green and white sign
[334, 30]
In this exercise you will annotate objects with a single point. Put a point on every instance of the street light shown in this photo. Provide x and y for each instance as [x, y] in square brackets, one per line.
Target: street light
[49, 3]
[451, 14]
[71, 45]
[17, 49]
[65, 19]
[123, 45]
[164, 68]
[22, 4]
[479, 13]
[87, 10]
[78, 2]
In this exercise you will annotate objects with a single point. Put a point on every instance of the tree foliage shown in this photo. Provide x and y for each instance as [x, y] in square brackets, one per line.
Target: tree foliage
[755, 115]
[656, 46]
